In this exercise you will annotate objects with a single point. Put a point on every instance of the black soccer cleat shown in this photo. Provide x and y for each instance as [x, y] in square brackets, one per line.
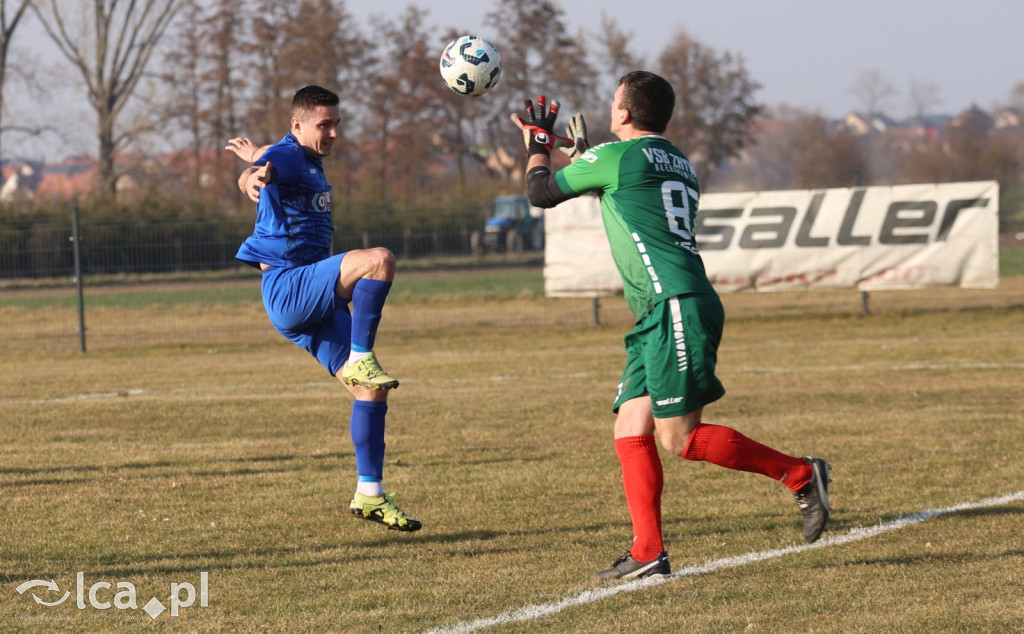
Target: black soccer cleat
[812, 498]
[628, 568]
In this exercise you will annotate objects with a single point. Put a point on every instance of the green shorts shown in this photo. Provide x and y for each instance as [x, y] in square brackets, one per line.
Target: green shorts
[671, 355]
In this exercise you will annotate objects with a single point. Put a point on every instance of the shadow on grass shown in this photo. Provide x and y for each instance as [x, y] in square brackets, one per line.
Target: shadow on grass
[463, 544]
[460, 544]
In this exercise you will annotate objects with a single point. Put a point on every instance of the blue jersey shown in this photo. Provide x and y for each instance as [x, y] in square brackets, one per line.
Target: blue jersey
[293, 219]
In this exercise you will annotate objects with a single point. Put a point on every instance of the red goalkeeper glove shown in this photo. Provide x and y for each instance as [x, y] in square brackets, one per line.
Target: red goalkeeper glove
[538, 127]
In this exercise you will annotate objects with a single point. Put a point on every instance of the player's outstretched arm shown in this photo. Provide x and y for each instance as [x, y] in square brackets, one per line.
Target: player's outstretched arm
[245, 149]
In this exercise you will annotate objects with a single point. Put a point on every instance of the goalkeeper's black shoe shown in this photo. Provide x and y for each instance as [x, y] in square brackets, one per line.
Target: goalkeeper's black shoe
[628, 568]
[812, 499]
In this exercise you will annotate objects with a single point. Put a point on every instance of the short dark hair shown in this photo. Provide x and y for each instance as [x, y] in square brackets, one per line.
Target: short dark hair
[307, 98]
[649, 99]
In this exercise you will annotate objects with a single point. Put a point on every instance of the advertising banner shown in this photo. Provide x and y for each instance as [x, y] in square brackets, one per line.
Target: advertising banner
[867, 238]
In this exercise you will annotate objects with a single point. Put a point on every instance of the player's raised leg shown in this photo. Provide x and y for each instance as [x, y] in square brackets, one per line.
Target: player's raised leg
[807, 478]
[366, 277]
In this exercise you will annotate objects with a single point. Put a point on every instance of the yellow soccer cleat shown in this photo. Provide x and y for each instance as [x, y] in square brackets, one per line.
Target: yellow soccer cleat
[368, 373]
[383, 511]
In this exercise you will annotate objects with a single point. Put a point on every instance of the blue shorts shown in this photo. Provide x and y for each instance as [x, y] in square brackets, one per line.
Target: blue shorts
[303, 306]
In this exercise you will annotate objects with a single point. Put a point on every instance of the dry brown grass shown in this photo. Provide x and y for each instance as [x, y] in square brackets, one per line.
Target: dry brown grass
[205, 443]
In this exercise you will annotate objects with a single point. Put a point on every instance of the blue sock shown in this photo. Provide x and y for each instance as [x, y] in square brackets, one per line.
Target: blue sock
[367, 429]
[367, 306]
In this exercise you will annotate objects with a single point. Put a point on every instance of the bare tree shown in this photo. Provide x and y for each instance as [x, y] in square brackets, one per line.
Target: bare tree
[203, 72]
[286, 55]
[614, 58]
[872, 90]
[8, 24]
[970, 142]
[183, 77]
[461, 126]
[715, 103]
[812, 153]
[528, 31]
[223, 29]
[111, 45]
[338, 62]
[615, 53]
[270, 99]
[924, 97]
[1016, 96]
[971, 149]
[540, 57]
[569, 73]
[403, 110]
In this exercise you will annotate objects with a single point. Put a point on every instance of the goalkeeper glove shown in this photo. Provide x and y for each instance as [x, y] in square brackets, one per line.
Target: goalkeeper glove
[577, 133]
[538, 127]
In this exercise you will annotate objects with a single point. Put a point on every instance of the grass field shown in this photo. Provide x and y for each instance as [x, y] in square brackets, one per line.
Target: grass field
[153, 463]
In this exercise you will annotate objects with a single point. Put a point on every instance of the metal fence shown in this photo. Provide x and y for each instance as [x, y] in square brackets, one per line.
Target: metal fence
[45, 261]
[44, 247]
[148, 260]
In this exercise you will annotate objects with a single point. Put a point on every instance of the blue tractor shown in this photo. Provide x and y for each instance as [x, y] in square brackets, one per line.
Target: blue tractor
[513, 226]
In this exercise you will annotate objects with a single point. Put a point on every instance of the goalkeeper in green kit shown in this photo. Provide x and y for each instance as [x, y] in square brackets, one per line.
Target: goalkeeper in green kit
[649, 195]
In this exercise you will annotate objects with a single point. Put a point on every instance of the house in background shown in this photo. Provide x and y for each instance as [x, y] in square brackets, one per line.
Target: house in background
[73, 177]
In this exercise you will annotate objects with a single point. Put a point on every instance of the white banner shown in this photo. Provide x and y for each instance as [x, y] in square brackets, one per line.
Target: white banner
[869, 238]
[577, 257]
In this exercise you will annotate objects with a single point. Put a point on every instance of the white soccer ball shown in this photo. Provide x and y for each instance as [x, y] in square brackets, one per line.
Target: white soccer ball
[470, 65]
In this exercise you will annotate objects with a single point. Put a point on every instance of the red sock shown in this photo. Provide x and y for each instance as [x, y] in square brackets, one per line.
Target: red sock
[643, 479]
[728, 448]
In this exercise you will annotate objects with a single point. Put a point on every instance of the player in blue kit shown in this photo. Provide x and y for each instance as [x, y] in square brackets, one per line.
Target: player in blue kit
[329, 305]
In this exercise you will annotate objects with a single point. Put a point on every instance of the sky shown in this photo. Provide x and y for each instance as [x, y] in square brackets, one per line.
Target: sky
[805, 53]
[810, 54]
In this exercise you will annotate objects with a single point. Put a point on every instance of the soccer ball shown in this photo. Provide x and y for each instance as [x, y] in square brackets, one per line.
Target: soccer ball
[470, 65]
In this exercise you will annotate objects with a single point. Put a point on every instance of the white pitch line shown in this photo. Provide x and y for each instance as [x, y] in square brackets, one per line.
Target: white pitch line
[518, 379]
[890, 368]
[533, 612]
[179, 390]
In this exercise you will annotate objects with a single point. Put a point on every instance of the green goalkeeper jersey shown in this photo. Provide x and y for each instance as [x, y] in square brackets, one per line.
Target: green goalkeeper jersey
[649, 196]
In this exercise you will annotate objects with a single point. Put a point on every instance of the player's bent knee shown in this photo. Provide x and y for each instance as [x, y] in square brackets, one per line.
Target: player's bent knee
[673, 443]
[379, 263]
[675, 433]
[385, 254]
